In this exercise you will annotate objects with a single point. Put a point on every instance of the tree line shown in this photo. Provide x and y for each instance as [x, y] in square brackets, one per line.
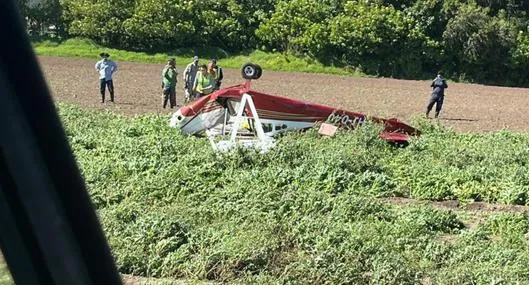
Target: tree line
[484, 41]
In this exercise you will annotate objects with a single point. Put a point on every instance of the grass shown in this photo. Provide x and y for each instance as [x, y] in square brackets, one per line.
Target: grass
[137, 280]
[270, 61]
[5, 275]
[307, 212]
[5, 278]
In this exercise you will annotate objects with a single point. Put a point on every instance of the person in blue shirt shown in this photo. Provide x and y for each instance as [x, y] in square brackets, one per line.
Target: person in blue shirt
[106, 69]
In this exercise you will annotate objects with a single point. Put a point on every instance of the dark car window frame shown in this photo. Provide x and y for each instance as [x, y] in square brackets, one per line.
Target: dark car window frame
[49, 230]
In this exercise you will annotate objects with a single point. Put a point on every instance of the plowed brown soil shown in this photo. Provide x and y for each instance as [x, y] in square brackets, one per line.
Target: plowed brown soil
[468, 107]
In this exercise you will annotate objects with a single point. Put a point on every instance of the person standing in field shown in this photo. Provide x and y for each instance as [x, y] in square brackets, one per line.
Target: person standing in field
[190, 73]
[169, 80]
[439, 85]
[106, 69]
[204, 81]
[218, 72]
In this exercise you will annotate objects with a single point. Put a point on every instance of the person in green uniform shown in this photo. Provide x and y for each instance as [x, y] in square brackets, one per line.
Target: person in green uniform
[169, 80]
[204, 81]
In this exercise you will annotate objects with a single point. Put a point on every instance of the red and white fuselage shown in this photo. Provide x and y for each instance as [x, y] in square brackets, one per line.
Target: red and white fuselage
[277, 114]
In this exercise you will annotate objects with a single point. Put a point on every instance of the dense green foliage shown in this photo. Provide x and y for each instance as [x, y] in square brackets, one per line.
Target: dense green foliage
[309, 211]
[159, 25]
[40, 15]
[470, 40]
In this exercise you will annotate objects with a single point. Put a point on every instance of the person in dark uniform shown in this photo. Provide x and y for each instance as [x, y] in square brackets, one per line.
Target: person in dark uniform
[218, 72]
[438, 94]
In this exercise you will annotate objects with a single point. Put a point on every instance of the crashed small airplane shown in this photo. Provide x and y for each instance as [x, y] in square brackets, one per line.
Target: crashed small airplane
[244, 113]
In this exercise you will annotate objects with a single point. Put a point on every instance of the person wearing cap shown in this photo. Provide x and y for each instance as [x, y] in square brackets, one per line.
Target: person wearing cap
[438, 85]
[190, 73]
[204, 81]
[106, 69]
[169, 80]
[218, 73]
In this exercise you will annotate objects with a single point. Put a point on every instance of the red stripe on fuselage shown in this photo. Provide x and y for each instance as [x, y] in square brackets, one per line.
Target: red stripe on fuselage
[280, 108]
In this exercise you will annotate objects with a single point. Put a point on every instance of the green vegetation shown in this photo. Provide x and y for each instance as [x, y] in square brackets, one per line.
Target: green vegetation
[471, 40]
[308, 212]
[267, 60]
[5, 275]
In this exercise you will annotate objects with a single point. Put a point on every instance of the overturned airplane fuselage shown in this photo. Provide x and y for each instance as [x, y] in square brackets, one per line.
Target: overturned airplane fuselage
[277, 115]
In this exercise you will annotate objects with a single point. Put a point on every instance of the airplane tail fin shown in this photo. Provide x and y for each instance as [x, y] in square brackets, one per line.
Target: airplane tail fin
[397, 126]
[398, 132]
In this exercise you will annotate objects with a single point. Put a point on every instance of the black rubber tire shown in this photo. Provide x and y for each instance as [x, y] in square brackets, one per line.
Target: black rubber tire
[259, 71]
[251, 71]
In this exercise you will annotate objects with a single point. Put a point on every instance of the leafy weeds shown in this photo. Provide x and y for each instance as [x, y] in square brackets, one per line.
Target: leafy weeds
[308, 211]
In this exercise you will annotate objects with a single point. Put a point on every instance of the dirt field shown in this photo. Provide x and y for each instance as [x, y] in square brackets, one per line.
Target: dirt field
[468, 107]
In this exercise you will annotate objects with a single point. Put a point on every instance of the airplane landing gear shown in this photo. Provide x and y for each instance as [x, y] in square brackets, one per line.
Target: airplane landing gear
[251, 71]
